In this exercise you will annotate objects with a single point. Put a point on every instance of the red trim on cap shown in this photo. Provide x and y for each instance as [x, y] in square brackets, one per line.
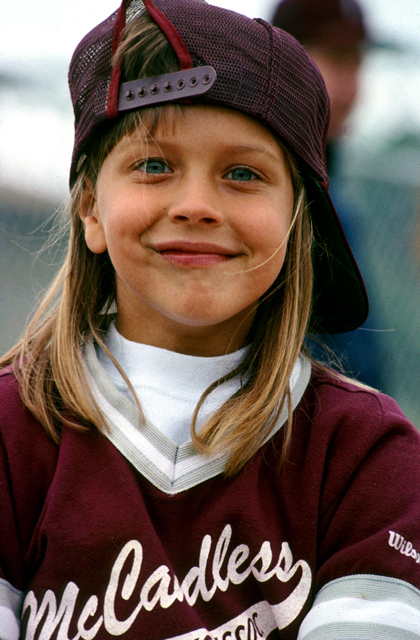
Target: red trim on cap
[112, 106]
[172, 34]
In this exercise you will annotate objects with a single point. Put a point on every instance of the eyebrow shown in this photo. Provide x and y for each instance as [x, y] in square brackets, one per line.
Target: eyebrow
[243, 148]
[236, 148]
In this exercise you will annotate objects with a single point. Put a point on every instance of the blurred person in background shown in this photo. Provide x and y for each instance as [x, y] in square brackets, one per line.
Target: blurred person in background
[335, 35]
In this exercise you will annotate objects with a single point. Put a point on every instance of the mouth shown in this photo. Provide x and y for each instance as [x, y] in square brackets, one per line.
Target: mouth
[194, 254]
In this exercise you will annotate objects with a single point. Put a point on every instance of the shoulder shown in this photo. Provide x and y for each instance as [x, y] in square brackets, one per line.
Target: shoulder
[8, 378]
[339, 419]
[341, 399]
[10, 400]
[23, 437]
[12, 408]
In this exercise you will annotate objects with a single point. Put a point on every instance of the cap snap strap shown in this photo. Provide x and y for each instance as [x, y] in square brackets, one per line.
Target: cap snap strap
[166, 88]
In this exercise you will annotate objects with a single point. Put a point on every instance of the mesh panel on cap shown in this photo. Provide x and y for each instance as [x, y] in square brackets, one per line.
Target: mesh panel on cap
[135, 8]
[90, 76]
[296, 105]
[90, 91]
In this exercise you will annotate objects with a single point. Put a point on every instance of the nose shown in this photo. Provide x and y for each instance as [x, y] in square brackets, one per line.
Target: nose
[196, 203]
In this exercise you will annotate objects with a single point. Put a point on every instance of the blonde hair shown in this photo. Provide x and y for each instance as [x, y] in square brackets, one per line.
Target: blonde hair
[48, 360]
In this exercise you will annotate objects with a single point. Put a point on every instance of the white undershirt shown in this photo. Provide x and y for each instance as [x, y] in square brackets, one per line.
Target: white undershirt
[169, 384]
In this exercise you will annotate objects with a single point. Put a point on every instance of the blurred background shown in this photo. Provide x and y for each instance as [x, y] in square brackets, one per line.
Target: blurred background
[377, 173]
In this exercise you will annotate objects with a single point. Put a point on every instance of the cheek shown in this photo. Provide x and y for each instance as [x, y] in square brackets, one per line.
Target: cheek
[271, 230]
[273, 241]
[124, 221]
[273, 264]
[269, 260]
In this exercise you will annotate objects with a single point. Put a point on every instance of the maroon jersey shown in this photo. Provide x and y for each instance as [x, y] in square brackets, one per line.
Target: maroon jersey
[128, 535]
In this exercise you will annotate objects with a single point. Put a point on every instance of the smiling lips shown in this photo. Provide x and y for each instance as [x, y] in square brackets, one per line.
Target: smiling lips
[193, 254]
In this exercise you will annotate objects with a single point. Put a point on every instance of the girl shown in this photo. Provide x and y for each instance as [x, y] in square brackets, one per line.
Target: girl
[173, 464]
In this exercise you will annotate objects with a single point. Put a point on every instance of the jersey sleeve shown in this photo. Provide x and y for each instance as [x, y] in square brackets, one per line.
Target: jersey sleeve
[10, 558]
[364, 607]
[27, 465]
[368, 575]
[10, 607]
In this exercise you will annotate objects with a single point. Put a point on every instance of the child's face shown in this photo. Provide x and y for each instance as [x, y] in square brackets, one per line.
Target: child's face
[195, 220]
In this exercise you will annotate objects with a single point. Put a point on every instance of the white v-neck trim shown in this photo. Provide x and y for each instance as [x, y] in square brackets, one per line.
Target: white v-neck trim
[170, 467]
[169, 384]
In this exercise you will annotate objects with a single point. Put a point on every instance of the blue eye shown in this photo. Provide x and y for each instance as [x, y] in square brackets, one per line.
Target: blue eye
[154, 165]
[241, 174]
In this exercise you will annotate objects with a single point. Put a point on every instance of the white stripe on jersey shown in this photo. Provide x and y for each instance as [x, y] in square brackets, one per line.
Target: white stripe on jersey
[364, 608]
[10, 606]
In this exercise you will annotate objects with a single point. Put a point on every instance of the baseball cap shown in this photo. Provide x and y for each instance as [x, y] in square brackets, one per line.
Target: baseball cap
[232, 61]
[333, 23]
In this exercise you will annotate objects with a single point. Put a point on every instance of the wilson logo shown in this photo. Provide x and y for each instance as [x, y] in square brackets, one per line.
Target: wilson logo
[405, 547]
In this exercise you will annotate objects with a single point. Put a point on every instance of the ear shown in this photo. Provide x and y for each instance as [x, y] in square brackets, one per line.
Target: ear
[91, 220]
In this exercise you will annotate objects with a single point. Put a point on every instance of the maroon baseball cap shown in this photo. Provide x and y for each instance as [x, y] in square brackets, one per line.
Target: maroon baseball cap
[332, 23]
[229, 60]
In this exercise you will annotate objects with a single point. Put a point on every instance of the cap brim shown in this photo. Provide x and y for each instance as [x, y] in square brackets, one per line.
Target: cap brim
[340, 301]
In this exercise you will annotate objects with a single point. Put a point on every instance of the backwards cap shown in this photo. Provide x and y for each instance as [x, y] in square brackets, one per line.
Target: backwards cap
[229, 60]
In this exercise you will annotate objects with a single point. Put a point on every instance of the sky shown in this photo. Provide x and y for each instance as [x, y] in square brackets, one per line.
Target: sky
[35, 111]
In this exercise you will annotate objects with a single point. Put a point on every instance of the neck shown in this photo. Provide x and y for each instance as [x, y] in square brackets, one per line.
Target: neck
[200, 340]
[193, 341]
